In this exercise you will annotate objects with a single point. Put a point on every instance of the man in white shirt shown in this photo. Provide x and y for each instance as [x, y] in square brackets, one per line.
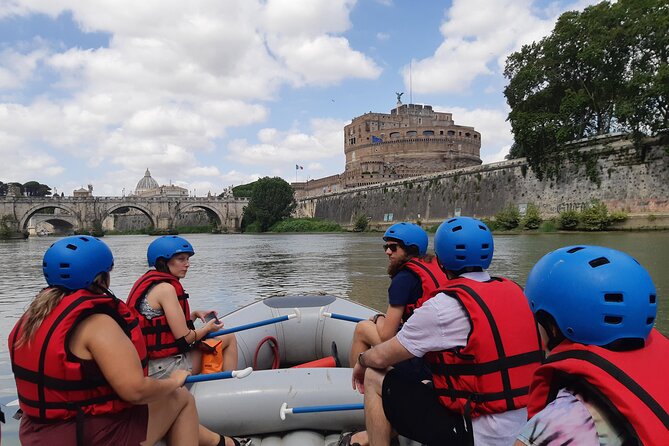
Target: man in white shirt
[480, 377]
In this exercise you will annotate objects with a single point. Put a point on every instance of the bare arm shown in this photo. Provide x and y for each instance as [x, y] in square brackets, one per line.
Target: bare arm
[165, 296]
[387, 326]
[380, 356]
[101, 339]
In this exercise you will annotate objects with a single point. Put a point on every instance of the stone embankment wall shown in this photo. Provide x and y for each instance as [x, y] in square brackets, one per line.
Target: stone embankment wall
[611, 170]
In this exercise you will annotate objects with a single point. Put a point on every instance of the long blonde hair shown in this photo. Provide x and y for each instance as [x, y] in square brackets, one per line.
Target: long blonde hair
[45, 302]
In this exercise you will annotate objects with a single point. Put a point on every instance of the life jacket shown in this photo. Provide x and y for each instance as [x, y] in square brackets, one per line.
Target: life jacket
[432, 277]
[160, 342]
[492, 373]
[631, 382]
[51, 382]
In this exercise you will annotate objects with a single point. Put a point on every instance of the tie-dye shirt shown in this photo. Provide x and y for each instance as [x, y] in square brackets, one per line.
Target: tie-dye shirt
[569, 420]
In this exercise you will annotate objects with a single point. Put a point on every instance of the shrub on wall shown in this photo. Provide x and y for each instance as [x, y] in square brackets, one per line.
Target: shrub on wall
[568, 220]
[508, 218]
[532, 218]
[361, 223]
[595, 217]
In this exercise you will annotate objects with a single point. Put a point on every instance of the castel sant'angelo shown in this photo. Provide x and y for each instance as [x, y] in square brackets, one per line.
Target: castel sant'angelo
[412, 140]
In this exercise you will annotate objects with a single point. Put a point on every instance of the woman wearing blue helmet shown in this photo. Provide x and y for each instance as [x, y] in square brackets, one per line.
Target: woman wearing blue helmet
[596, 308]
[414, 274]
[77, 357]
[160, 303]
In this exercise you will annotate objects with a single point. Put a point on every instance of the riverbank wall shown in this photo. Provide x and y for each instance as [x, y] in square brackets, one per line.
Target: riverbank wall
[609, 169]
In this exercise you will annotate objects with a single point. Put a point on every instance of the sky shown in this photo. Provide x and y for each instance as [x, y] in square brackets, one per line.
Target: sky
[209, 94]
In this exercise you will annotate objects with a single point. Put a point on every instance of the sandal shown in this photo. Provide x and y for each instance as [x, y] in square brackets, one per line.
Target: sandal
[345, 439]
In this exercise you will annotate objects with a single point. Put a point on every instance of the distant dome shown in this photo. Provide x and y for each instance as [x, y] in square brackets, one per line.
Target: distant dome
[146, 183]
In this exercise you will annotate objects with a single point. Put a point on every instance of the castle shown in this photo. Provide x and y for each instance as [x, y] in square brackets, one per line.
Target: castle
[412, 140]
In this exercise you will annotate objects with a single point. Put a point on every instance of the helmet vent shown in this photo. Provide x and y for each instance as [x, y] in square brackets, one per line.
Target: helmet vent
[64, 265]
[64, 276]
[575, 249]
[484, 257]
[456, 229]
[599, 262]
[483, 228]
[461, 257]
[485, 246]
[71, 246]
[650, 320]
[614, 320]
[460, 247]
[653, 299]
[613, 297]
[451, 220]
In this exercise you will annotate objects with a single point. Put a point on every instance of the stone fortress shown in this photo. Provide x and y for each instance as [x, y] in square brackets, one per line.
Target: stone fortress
[412, 140]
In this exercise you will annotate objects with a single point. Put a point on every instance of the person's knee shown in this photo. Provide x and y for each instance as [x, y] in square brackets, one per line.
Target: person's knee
[374, 380]
[362, 329]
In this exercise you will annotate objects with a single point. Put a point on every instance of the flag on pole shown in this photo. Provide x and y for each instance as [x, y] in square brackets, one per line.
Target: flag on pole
[297, 166]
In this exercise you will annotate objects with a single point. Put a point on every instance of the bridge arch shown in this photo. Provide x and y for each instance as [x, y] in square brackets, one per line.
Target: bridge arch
[143, 209]
[23, 221]
[211, 210]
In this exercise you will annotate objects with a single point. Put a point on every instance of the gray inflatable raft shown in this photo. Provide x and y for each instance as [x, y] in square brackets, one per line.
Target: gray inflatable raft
[259, 404]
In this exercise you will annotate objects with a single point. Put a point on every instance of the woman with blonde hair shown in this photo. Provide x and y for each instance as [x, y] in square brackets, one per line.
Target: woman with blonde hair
[79, 361]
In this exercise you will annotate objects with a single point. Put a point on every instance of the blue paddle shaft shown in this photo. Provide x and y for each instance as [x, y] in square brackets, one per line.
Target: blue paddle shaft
[330, 408]
[208, 377]
[247, 326]
[344, 317]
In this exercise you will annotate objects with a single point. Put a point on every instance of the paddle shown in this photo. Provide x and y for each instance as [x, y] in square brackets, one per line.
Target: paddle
[239, 374]
[312, 409]
[343, 317]
[220, 375]
[254, 324]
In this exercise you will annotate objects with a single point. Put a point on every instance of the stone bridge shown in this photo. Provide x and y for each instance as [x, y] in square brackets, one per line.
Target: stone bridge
[84, 212]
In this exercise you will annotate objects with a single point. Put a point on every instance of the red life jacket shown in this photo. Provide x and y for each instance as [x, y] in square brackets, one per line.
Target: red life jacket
[492, 373]
[53, 384]
[160, 342]
[432, 277]
[631, 383]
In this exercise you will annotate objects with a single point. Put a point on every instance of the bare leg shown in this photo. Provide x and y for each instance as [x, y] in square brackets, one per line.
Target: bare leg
[174, 417]
[229, 351]
[366, 335]
[378, 427]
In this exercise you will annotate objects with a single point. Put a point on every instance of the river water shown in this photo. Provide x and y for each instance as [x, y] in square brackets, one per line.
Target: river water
[229, 271]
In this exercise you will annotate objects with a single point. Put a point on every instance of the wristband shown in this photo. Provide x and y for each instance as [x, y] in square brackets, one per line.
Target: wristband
[377, 316]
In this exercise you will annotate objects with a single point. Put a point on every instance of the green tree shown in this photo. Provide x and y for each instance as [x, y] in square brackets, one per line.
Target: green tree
[532, 218]
[35, 189]
[271, 201]
[508, 218]
[601, 70]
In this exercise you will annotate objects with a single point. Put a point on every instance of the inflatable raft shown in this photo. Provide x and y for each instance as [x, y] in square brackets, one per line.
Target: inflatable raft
[267, 404]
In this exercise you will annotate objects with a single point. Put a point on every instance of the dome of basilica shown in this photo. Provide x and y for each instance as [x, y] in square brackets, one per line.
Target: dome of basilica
[146, 183]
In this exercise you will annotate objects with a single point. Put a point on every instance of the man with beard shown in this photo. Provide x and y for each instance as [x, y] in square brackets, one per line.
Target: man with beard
[477, 335]
[415, 276]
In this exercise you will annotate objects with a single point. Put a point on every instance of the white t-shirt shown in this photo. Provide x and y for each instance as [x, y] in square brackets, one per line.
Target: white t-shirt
[440, 324]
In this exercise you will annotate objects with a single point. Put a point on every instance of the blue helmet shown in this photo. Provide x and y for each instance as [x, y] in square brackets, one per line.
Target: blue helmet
[596, 295]
[167, 246]
[73, 262]
[409, 234]
[463, 242]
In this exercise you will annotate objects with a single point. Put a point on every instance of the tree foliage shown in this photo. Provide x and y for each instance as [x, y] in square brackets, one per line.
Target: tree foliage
[271, 201]
[602, 70]
[30, 189]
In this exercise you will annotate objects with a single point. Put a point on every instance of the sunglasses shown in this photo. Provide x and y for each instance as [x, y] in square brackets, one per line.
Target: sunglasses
[392, 247]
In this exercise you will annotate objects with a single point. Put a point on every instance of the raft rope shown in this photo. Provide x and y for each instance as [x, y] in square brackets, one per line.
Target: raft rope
[274, 345]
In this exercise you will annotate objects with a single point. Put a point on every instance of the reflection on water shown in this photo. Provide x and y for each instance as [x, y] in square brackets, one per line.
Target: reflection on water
[229, 271]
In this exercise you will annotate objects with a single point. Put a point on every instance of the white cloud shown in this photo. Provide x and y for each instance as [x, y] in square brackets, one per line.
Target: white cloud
[478, 36]
[496, 136]
[382, 36]
[293, 146]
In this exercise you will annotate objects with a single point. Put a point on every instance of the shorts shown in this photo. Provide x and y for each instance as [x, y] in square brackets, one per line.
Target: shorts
[124, 428]
[163, 367]
[414, 411]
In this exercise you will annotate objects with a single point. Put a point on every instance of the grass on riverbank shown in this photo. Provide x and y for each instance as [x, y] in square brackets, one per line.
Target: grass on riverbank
[306, 225]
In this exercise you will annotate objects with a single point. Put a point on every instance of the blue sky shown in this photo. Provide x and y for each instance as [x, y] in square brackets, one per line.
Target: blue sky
[213, 93]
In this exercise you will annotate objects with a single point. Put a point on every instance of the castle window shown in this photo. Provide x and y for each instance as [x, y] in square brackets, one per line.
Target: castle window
[395, 134]
[428, 132]
[468, 134]
[451, 133]
[476, 136]
[411, 133]
[441, 132]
